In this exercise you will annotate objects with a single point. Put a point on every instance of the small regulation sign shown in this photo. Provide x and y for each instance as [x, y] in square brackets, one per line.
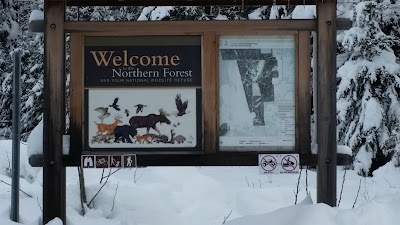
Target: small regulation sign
[87, 161]
[278, 163]
[268, 163]
[116, 161]
[129, 161]
[102, 161]
[108, 161]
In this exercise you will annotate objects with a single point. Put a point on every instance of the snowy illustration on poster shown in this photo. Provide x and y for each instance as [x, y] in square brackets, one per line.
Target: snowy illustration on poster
[257, 92]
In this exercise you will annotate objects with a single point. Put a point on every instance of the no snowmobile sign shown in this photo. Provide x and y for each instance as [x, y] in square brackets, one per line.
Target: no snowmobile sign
[278, 163]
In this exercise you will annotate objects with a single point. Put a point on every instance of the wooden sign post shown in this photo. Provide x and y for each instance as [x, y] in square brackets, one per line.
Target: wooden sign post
[273, 43]
[54, 113]
[326, 102]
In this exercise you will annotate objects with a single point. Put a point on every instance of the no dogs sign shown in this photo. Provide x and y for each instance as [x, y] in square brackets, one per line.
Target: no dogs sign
[278, 163]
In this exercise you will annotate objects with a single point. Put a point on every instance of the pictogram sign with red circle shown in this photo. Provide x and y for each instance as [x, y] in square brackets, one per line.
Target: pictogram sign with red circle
[278, 163]
[268, 163]
[289, 163]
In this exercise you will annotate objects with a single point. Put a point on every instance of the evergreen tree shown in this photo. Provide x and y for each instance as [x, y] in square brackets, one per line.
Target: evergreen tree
[390, 22]
[8, 35]
[189, 13]
[8, 24]
[32, 50]
[367, 100]
[31, 84]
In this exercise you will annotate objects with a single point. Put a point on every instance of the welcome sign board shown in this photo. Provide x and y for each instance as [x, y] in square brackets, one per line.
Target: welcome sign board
[142, 94]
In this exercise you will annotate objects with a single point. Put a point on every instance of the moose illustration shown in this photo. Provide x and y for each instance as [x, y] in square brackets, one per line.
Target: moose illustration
[149, 121]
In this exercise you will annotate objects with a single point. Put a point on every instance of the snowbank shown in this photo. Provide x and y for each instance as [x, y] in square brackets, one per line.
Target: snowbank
[26, 170]
[36, 15]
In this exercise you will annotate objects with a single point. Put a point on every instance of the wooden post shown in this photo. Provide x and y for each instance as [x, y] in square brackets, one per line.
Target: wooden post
[303, 94]
[54, 112]
[326, 101]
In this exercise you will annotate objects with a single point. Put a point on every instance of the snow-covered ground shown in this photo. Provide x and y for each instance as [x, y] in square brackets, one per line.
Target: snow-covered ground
[205, 195]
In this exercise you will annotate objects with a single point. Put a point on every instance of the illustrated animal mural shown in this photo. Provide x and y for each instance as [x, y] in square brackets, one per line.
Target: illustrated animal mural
[143, 138]
[114, 105]
[179, 139]
[139, 108]
[161, 139]
[103, 128]
[124, 132]
[149, 121]
[103, 113]
[181, 106]
[99, 138]
[130, 116]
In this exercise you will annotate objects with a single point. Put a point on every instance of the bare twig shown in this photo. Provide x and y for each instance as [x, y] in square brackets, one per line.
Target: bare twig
[113, 203]
[8, 158]
[30, 196]
[111, 173]
[358, 191]
[102, 177]
[82, 189]
[40, 207]
[298, 187]
[226, 217]
[269, 178]
[390, 185]
[135, 177]
[307, 180]
[341, 190]
[90, 202]
[8, 170]
[248, 185]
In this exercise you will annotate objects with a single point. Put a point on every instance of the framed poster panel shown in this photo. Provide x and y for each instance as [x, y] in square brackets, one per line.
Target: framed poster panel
[257, 86]
[142, 94]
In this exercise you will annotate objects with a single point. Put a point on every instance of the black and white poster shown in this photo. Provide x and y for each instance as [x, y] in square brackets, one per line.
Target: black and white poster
[257, 92]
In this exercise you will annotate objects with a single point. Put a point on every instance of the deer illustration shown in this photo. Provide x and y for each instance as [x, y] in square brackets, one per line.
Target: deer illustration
[108, 128]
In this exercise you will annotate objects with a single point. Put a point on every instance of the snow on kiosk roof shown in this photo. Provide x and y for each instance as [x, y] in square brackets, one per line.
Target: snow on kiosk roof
[186, 2]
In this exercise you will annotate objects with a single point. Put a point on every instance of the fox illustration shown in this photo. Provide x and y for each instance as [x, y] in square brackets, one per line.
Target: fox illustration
[142, 138]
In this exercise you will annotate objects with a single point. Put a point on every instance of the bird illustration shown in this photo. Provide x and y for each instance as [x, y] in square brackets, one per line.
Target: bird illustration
[103, 113]
[126, 112]
[139, 108]
[181, 106]
[114, 105]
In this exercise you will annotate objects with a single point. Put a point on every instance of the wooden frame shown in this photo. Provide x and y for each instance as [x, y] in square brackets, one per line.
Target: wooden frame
[55, 27]
[210, 31]
[210, 36]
